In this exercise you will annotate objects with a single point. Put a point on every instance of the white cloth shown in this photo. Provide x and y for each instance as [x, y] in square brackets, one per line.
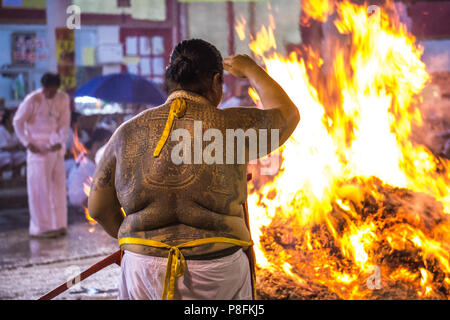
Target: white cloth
[10, 157]
[69, 164]
[78, 176]
[99, 154]
[45, 122]
[46, 187]
[227, 278]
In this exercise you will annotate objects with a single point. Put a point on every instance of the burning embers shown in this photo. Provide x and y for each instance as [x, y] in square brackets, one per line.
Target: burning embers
[378, 241]
[358, 210]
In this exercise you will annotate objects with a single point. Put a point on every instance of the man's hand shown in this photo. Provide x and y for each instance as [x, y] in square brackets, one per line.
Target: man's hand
[35, 149]
[240, 65]
[55, 147]
[270, 92]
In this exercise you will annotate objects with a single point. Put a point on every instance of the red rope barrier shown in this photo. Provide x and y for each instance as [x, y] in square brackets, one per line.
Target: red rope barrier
[112, 258]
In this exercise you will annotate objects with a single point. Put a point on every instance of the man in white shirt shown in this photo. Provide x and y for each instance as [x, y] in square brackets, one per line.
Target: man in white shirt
[41, 124]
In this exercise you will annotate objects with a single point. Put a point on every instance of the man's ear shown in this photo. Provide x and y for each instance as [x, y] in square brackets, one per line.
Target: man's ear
[217, 81]
[217, 88]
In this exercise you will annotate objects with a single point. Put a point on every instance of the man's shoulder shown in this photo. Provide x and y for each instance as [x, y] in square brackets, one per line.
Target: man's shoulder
[34, 96]
[63, 95]
[145, 117]
[125, 129]
[230, 103]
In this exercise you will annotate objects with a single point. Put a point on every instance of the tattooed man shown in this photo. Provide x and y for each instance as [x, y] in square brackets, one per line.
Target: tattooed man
[191, 208]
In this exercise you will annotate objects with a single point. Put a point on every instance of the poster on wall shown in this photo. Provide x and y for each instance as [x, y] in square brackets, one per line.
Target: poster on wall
[65, 58]
[23, 49]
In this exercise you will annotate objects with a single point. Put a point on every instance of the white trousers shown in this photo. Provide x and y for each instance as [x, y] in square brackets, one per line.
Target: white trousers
[227, 278]
[46, 186]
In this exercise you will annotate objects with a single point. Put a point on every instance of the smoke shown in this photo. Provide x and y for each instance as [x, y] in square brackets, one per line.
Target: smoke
[434, 132]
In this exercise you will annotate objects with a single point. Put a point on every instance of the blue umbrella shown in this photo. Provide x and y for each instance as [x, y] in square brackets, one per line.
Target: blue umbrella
[122, 87]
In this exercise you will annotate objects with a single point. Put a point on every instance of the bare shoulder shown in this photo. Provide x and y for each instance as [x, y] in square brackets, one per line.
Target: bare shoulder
[136, 138]
[252, 117]
[132, 138]
[141, 120]
[104, 173]
[129, 126]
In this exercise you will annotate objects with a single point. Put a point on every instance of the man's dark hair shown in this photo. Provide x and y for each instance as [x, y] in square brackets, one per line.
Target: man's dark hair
[193, 64]
[50, 80]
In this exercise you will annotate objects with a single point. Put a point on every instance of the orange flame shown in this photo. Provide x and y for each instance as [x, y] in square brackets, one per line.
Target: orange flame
[78, 148]
[264, 42]
[317, 10]
[254, 96]
[352, 149]
[240, 27]
[87, 190]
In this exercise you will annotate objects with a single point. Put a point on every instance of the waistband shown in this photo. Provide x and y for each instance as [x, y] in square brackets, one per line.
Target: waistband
[212, 255]
[176, 262]
[215, 255]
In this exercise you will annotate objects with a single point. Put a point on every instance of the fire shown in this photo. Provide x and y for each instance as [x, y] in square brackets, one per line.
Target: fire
[88, 217]
[265, 40]
[355, 198]
[79, 152]
[87, 186]
[240, 27]
[87, 189]
[318, 10]
[78, 148]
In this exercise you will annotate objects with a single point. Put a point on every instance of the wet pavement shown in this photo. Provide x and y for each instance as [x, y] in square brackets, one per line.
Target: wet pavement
[30, 267]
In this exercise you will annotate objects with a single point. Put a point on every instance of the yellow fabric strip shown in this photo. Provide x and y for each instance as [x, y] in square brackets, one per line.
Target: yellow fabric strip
[176, 262]
[177, 109]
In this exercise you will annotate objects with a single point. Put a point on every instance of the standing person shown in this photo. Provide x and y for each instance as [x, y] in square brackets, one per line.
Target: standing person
[41, 123]
[191, 211]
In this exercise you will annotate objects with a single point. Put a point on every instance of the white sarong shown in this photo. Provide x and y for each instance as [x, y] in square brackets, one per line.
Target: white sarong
[227, 278]
[45, 123]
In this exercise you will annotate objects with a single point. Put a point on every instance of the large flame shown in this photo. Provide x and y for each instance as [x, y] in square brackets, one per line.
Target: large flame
[354, 193]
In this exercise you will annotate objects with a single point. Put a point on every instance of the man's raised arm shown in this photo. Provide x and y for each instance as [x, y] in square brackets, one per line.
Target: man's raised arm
[279, 110]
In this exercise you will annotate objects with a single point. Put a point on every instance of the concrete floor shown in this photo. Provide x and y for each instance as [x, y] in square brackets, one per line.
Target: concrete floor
[30, 268]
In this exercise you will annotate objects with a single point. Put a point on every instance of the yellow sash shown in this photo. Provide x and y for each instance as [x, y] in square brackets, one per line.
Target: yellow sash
[177, 109]
[176, 262]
